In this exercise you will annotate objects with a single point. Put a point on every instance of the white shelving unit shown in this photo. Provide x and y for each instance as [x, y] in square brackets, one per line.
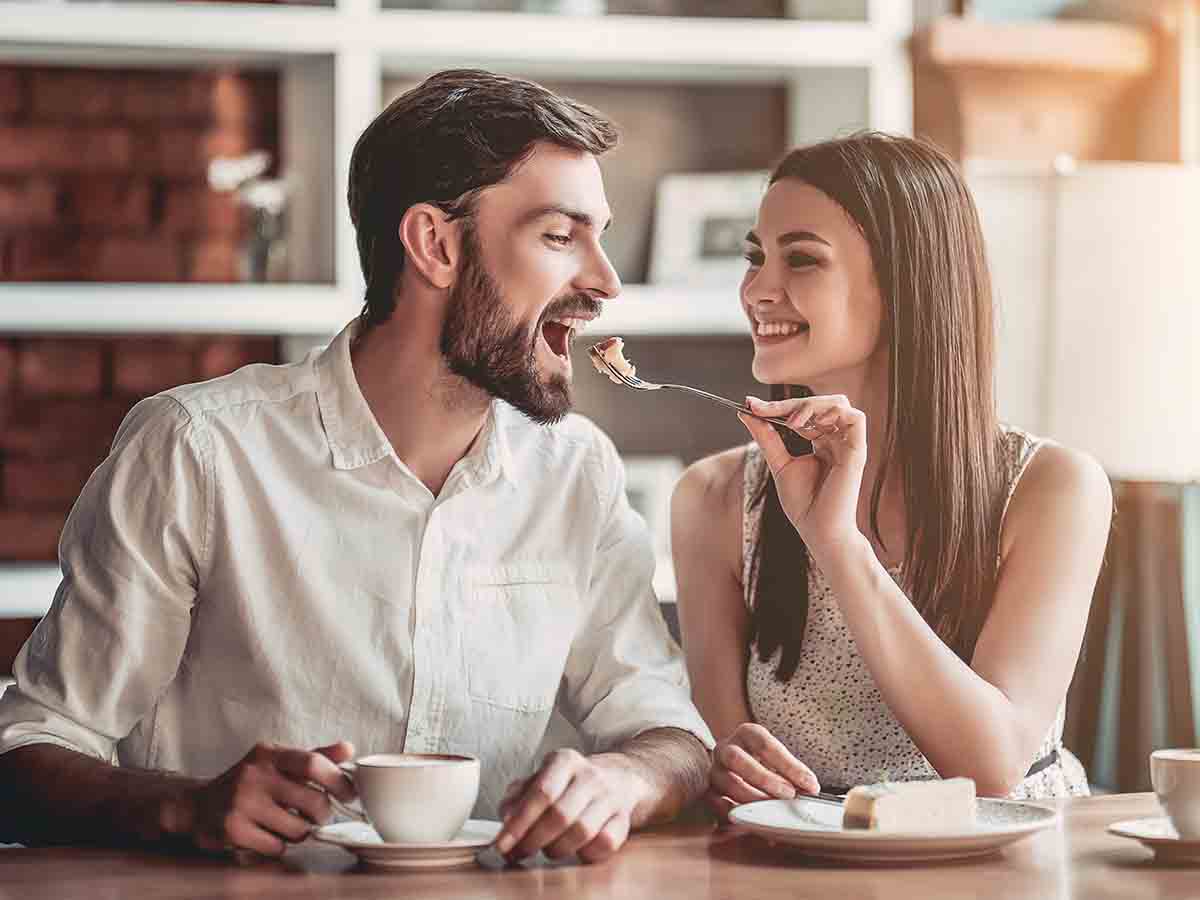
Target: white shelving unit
[333, 60]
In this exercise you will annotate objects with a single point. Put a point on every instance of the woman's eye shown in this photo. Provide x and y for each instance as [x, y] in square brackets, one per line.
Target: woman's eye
[754, 257]
[560, 239]
[801, 260]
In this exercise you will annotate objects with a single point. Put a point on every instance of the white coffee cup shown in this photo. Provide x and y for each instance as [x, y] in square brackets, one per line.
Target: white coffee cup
[1175, 775]
[421, 798]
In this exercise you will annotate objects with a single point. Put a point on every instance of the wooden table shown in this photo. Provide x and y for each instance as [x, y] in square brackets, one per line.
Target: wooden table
[691, 862]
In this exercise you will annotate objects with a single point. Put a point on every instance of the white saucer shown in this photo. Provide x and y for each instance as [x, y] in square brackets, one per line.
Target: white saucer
[364, 842]
[1160, 835]
[814, 827]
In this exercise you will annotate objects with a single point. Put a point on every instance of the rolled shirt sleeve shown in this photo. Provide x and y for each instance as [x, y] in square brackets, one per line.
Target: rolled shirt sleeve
[131, 555]
[625, 674]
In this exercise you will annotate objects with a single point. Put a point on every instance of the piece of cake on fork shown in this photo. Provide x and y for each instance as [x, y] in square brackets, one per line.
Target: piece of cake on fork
[613, 351]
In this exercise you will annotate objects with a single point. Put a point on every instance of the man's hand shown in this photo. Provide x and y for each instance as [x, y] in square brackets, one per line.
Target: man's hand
[574, 804]
[273, 796]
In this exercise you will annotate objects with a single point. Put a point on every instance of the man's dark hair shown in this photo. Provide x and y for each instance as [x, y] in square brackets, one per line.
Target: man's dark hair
[443, 142]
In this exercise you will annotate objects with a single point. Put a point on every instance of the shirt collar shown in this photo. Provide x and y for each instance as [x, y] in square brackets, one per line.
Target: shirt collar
[354, 436]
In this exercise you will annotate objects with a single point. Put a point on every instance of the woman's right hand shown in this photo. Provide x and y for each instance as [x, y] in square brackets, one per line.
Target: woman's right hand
[752, 764]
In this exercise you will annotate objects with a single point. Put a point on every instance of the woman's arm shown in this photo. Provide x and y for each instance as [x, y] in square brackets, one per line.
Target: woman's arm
[706, 539]
[987, 720]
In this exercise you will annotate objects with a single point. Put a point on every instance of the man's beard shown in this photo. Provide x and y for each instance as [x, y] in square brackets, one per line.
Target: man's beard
[485, 345]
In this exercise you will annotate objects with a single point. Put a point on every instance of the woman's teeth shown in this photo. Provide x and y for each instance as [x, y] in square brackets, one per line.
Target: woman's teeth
[774, 329]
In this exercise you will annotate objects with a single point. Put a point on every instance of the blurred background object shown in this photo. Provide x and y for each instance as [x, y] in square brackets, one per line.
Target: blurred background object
[1118, 377]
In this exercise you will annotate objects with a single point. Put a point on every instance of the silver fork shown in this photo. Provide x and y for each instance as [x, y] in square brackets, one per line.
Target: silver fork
[640, 384]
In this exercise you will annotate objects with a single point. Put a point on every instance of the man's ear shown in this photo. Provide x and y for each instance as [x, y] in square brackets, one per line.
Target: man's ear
[430, 244]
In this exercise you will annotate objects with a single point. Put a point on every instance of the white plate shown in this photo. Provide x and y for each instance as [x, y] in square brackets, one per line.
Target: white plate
[363, 841]
[815, 827]
[1160, 835]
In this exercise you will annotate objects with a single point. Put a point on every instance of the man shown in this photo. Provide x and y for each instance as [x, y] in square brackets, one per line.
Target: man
[399, 542]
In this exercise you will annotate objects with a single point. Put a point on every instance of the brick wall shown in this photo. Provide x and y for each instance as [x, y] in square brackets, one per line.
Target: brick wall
[102, 171]
[61, 400]
[103, 178]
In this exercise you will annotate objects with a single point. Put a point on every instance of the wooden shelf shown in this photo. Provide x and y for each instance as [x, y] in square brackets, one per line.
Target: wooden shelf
[147, 308]
[308, 309]
[123, 33]
[1102, 47]
[410, 41]
[27, 589]
[622, 47]
[333, 60]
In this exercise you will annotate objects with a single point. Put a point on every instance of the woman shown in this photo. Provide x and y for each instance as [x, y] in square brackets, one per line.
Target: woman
[909, 600]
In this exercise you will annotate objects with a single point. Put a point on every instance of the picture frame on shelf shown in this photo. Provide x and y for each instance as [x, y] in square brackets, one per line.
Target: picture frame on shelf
[700, 225]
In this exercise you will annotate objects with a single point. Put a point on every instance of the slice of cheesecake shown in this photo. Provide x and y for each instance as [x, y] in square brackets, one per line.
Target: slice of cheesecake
[612, 350]
[910, 806]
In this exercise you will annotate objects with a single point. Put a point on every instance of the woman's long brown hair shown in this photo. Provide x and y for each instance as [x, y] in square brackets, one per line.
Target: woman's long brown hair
[910, 203]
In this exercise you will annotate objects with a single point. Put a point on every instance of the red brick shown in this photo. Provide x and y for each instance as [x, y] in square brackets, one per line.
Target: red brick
[28, 203]
[147, 365]
[215, 261]
[137, 259]
[186, 152]
[8, 370]
[59, 255]
[63, 427]
[73, 366]
[223, 98]
[223, 355]
[57, 148]
[161, 96]
[41, 484]
[30, 535]
[14, 632]
[13, 95]
[109, 203]
[74, 95]
[196, 209]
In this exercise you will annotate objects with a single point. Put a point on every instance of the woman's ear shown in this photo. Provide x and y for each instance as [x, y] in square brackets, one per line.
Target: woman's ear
[430, 244]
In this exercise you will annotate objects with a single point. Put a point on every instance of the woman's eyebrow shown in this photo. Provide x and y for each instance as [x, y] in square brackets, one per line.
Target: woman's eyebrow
[790, 237]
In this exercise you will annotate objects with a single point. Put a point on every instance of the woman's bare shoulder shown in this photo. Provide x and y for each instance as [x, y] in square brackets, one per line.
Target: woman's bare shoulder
[712, 486]
[1060, 486]
[706, 533]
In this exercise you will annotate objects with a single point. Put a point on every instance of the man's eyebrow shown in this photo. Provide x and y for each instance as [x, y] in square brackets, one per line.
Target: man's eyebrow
[557, 209]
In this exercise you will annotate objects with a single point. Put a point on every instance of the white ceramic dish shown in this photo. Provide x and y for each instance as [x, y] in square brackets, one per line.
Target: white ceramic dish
[814, 827]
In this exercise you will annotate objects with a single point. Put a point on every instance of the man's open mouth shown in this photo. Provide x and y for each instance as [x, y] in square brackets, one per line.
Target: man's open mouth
[560, 332]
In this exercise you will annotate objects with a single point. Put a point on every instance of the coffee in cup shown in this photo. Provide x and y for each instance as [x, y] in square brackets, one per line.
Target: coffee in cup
[421, 798]
[1175, 775]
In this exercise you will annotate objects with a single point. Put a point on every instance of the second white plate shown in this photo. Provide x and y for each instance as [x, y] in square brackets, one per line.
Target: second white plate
[815, 827]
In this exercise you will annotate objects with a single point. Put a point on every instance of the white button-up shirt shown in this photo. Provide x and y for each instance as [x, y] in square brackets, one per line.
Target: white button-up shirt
[253, 562]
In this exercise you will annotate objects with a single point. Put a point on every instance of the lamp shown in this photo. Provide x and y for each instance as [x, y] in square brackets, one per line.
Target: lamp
[1114, 369]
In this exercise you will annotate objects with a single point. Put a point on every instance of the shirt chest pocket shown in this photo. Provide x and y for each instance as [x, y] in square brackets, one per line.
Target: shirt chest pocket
[521, 620]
